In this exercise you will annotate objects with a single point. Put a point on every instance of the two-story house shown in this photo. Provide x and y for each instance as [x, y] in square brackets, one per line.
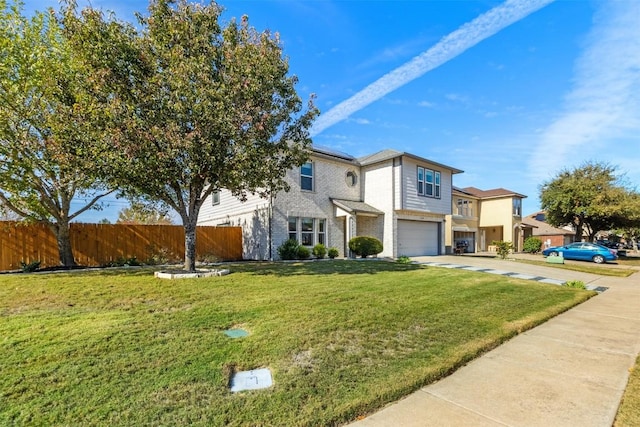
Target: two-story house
[399, 198]
[480, 217]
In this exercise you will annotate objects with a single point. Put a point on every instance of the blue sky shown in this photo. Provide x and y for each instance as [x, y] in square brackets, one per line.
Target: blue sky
[510, 92]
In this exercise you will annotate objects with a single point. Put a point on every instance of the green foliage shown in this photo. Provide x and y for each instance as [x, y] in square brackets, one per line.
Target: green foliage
[319, 250]
[578, 284]
[303, 252]
[364, 246]
[42, 112]
[288, 250]
[144, 213]
[503, 248]
[532, 245]
[591, 198]
[123, 262]
[403, 259]
[194, 106]
[29, 267]
[333, 253]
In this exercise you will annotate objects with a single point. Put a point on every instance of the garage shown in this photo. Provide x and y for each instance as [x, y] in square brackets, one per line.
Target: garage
[417, 238]
[465, 240]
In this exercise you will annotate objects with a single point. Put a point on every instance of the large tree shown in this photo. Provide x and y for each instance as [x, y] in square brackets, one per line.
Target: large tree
[40, 116]
[194, 107]
[590, 198]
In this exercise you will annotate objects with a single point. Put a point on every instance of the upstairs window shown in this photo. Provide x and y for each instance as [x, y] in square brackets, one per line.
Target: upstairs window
[517, 207]
[428, 182]
[306, 176]
[215, 198]
[465, 207]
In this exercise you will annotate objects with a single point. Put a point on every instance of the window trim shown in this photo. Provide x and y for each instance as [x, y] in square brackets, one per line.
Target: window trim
[429, 182]
[297, 222]
[517, 207]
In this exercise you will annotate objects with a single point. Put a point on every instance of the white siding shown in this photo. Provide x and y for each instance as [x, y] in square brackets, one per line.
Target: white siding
[410, 197]
[378, 189]
[252, 216]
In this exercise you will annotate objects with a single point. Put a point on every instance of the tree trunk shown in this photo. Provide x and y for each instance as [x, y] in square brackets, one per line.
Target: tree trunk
[190, 243]
[63, 238]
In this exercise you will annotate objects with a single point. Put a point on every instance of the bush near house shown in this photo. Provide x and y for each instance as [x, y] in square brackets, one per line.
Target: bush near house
[288, 250]
[303, 252]
[503, 248]
[319, 251]
[364, 246]
[532, 245]
[333, 253]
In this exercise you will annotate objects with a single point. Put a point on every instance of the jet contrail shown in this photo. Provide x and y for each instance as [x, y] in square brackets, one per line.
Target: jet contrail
[449, 47]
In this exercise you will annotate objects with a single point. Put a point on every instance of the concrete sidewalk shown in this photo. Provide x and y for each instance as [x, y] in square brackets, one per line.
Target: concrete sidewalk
[570, 371]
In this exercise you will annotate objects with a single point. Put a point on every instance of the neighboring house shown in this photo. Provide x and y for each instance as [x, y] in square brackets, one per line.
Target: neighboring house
[550, 236]
[480, 217]
[399, 198]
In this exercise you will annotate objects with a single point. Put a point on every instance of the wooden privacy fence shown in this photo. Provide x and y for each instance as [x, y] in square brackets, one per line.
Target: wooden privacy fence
[98, 244]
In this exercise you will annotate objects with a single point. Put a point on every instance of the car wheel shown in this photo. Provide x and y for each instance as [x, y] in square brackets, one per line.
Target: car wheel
[554, 253]
[598, 259]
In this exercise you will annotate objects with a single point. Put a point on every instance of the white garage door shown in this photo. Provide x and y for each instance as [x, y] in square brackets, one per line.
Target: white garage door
[417, 238]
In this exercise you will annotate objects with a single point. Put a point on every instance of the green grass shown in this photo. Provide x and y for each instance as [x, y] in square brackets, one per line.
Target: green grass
[629, 410]
[342, 339]
[585, 267]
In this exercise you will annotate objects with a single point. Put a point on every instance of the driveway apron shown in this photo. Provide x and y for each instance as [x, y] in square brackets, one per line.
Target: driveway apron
[570, 371]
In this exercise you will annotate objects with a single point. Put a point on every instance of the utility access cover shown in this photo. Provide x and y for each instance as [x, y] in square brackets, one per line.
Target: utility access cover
[251, 380]
[236, 333]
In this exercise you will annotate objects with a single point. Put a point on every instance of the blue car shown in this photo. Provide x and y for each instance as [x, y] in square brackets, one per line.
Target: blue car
[583, 251]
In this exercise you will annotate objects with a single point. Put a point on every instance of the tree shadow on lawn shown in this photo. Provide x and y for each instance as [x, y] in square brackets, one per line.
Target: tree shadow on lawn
[322, 267]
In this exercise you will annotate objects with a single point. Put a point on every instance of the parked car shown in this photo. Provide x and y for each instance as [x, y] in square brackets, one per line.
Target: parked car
[608, 244]
[583, 251]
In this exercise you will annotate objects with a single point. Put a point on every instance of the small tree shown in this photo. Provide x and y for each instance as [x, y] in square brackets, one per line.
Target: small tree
[503, 248]
[364, 246]
[532, 245]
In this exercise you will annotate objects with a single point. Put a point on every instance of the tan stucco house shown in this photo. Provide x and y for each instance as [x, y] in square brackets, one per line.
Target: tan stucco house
[480, 217]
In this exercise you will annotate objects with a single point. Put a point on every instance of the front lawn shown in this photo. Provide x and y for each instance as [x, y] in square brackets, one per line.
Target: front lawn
[587, 267]
[341, 338]
[629, 410]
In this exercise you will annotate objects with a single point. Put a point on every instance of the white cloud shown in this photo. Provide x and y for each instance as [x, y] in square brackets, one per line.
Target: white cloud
[603, 107]
[426, 104]
[449, 47]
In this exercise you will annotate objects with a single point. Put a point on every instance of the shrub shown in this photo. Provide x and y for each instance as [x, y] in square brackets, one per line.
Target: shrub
[30, 267]
[578, 284]
[365, 245]
[333, 253]
[303, 252]
[532, 245]
[503, 248]
[403, 259]
[121, 262]
[319, 250]
[289, 249]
